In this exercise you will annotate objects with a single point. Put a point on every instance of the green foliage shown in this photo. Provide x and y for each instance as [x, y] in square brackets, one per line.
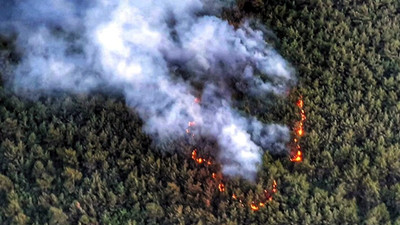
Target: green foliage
[57, 217]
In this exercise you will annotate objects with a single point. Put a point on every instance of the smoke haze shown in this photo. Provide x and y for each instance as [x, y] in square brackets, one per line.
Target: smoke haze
[139, 48]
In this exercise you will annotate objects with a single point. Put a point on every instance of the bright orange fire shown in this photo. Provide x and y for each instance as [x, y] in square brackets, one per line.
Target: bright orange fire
[300, 131]
[200, 160]
[194, 154]
[298, 157]
[254, 207]
[300, 103]
[221, 187]
[274, 185]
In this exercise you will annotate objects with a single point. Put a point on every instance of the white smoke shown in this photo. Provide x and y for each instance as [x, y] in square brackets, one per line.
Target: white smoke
[137, 47]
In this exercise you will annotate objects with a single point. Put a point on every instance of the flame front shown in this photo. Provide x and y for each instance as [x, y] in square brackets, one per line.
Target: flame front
[274, 185]
[194, 154]
[221, 187]
[296, 153]
[255, 205]
[300, 103]
[298, 157]
[200, 160]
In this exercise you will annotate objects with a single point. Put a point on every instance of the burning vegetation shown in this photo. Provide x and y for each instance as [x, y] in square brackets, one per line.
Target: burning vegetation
[255, 205]
[296, 153]
[296, 156]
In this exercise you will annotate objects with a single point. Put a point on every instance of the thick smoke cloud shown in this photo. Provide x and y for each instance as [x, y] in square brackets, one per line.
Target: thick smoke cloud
[137, 47]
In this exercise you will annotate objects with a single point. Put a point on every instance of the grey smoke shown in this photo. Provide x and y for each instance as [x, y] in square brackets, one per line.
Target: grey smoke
[136, 47]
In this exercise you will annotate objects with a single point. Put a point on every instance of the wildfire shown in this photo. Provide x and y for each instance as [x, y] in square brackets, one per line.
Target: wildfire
[254, 207]
[274, 185]
[297, 155]
[300, 103]
[300, 131]
[200, 160]
[221, 187]
[303, 116]
[194, 154]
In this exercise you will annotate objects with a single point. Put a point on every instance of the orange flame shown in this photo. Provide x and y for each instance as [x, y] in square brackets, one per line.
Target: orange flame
[194, 154]
[303, 116]
[200, 160]
[254, 207]
[274, 185]
[300, 103]
[221, 187]
[300, 131]
[298, 157]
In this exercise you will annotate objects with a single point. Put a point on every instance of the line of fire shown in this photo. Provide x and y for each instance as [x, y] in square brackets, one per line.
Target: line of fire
[296, 155]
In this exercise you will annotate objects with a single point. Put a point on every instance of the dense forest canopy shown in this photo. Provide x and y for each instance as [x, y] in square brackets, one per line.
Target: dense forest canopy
[84, 159]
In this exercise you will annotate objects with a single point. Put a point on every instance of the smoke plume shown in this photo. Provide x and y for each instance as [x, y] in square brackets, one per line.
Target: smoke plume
[161, 55]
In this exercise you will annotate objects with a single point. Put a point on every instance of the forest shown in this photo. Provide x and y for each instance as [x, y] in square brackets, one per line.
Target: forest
[84, 158]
